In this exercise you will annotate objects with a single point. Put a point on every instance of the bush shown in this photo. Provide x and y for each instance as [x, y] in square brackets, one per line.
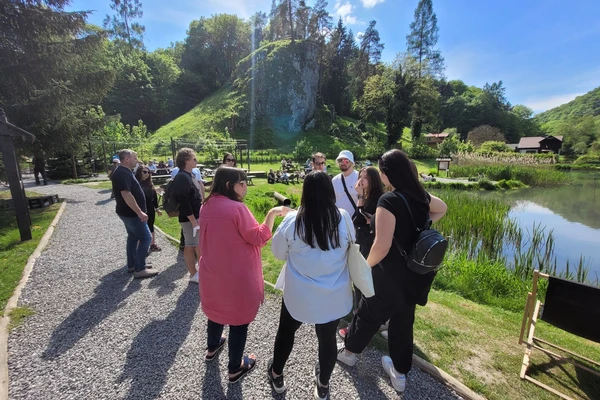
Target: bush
[303, 150]
[494, 146]
[588, 159]
[418, 149]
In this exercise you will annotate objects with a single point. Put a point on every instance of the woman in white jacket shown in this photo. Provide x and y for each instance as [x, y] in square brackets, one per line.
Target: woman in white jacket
[317, 290]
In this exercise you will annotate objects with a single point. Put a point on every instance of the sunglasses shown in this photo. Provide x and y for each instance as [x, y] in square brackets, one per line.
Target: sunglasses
[229, 160]
[145, 172]
[343, 161]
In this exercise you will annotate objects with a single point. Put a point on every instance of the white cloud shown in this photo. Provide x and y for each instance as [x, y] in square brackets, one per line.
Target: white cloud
[370, 3]
[543, 104]
[344, 11]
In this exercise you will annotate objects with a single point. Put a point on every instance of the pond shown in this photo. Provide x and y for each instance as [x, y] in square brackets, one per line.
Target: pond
[571, 212]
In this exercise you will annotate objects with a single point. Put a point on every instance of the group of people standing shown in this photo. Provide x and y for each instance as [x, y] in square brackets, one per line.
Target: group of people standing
[313, 240]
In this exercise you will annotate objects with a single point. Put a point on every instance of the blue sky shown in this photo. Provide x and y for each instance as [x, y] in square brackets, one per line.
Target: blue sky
[546, 52]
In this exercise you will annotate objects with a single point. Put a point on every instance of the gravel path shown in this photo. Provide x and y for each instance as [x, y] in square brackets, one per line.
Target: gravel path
[99, 334]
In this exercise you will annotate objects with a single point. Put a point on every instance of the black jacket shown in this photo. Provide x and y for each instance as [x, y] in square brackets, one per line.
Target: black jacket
[186, 195]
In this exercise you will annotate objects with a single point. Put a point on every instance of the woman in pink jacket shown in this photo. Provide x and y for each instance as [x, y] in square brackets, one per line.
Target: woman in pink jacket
[230, 273]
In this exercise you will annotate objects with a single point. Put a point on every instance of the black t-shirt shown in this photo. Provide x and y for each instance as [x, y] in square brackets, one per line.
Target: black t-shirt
[187, 195]
[392, 278]
[122, 179]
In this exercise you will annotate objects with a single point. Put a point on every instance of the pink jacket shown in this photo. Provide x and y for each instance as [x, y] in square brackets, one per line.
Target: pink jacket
[230, 272]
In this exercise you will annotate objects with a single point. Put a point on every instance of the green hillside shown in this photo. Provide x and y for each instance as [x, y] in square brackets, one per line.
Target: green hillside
[588, 104]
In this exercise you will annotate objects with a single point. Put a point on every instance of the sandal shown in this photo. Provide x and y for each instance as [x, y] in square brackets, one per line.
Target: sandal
[215, 352]
[248, 366]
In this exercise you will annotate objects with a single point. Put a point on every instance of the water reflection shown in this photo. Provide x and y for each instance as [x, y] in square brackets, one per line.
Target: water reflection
[571, 212]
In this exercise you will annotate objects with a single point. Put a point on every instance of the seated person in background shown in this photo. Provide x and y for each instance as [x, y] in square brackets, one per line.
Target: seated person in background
[271, 178]
[427, 178]
[161, 164]
[152, 166]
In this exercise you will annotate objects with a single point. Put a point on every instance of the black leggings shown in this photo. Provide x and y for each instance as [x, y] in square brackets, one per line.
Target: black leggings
[151, 219]
[374, 312]
[284, 342]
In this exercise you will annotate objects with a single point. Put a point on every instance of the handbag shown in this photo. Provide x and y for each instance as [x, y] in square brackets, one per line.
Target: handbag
[360, 271]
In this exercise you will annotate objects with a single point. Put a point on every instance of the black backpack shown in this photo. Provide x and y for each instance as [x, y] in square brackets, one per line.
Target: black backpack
[170, 205]
[427, 252]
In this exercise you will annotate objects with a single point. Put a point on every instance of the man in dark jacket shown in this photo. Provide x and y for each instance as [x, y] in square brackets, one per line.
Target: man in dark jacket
[188, 194]
[39, 167]
[131, 208]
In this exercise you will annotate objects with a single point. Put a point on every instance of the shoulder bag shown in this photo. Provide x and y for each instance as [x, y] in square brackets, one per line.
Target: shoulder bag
[361, 272]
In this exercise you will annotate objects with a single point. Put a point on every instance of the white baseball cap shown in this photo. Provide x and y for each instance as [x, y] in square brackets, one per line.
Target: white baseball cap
[345, 154]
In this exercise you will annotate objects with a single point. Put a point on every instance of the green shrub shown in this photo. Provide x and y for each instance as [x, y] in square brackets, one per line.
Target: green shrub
[588, 159]
[494, 146]
[531, 176]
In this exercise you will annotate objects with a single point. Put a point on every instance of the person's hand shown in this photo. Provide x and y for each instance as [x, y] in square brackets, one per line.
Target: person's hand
[358, 186]
[143, 216]
[281, 211]
[159, 212]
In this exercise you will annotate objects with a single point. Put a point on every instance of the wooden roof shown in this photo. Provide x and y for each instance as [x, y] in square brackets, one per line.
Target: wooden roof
[533, 142]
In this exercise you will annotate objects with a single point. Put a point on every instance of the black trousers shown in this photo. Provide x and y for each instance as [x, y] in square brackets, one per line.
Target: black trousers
[284, 342]
[40, 171]
[236, 343]
[374, 312]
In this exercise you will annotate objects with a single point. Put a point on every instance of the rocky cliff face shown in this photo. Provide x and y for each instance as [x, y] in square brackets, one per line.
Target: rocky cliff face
[280, 82]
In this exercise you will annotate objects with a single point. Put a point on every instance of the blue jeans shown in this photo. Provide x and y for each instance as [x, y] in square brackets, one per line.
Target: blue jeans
[137, 231]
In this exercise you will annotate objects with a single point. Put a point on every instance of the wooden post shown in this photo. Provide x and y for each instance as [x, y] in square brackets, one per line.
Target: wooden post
[104, 157]
[92, 158]
[74, 166]
[13, 174]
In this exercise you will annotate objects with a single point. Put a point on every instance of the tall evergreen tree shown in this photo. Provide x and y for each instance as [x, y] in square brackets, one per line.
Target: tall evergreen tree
[422, 39]
[54, 68]
[121, 26]
[369, 55]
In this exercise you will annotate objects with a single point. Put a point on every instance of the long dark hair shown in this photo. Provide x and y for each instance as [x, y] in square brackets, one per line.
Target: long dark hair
[318, 217]
[223, 182]
[138, 176]
[375, 185]
[229, 155]
[402, 173]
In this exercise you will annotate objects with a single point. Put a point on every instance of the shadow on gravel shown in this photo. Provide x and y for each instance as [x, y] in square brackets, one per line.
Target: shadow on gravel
[104, 202]
[114, 288]
[153, 350]
[364, 377]
[164, 283]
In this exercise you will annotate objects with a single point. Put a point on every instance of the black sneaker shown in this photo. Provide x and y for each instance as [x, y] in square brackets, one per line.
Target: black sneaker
[276, 383]
[321, 392]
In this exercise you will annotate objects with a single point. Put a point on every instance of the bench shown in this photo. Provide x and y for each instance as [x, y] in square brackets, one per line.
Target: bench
[249, 179]
[259, 174]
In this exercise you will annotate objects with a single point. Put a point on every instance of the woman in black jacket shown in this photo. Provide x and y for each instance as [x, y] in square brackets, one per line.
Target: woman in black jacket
[369, 188]
[397, 288]
[144, 177]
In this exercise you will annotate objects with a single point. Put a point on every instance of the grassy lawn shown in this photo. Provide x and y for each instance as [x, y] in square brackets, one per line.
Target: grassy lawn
[13, 252]
[99, 185]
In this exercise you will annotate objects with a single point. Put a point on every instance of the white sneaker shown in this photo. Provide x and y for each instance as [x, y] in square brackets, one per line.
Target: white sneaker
[194, 279]
[384, 334]
[398, 379]
[343, 356]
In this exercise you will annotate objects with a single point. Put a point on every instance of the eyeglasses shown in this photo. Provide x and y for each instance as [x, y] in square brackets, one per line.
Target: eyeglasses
[229, 160]
[244, 182]
[320, 163]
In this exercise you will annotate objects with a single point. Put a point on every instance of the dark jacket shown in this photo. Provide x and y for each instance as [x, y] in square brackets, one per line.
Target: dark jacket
[186, 195]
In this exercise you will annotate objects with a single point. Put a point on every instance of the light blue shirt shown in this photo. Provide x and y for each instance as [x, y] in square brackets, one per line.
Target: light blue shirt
[195, 172]
[317, 286]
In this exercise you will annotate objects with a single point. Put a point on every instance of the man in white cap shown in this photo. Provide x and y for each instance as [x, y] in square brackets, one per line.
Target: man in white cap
[343, 183]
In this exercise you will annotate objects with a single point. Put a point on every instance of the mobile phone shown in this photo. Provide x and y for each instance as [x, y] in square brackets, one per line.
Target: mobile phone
[365, 214]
